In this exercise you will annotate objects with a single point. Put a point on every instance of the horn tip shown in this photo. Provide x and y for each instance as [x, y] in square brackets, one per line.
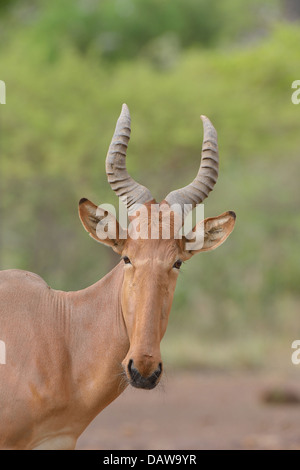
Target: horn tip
[125, 112]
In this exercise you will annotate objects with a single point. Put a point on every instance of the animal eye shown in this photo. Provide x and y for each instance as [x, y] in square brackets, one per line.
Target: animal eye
[177, 264]
[126, 260]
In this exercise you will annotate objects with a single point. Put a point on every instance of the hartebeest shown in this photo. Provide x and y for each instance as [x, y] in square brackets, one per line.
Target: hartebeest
[70, 354]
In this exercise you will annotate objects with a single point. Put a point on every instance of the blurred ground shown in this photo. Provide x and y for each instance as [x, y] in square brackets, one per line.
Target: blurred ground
[202, 411]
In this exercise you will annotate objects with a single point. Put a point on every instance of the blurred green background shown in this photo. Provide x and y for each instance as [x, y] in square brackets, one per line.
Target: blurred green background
[70, 64]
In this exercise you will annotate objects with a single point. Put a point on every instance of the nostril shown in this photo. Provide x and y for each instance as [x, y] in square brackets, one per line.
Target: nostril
[130, 363]
[159, 371]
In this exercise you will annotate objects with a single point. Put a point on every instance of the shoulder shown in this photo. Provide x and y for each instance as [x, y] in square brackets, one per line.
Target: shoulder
[15, 275]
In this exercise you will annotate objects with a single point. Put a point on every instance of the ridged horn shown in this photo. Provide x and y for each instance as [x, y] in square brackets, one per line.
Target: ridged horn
[207, 176]
[130, 192]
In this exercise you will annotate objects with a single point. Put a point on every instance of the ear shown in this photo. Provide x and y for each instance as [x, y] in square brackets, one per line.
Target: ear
[210, 233]
[101, 225]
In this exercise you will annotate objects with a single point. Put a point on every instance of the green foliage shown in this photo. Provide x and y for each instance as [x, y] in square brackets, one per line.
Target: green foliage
[118, 29]
[55, 130]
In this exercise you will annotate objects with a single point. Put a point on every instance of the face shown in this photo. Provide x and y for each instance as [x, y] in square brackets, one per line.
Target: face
[151, 266]
[151, 269]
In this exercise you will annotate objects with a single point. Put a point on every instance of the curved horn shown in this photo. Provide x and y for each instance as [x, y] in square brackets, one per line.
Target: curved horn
[207, 176]
[130, 192]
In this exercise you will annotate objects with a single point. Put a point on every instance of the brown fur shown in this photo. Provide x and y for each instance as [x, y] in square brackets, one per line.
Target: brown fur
[68, 352]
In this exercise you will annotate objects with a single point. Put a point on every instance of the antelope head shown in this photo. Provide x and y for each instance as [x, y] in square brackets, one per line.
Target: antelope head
[152, 263]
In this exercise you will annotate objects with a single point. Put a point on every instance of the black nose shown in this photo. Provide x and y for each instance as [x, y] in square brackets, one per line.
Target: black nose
[139, 381]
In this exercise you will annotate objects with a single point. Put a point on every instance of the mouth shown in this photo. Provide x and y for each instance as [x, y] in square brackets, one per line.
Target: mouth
[144, 383]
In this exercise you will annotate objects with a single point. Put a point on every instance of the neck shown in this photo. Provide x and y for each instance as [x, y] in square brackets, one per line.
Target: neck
[97, 340]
